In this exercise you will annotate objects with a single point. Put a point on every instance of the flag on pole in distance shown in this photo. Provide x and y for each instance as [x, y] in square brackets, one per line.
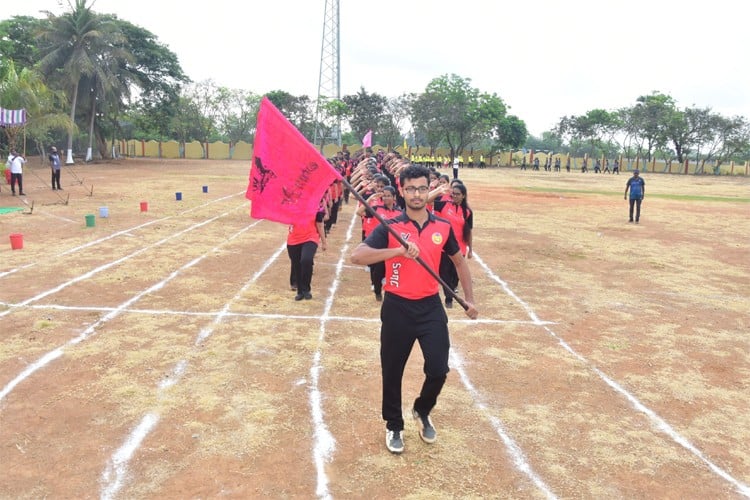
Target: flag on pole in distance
[288, 175]
[12, 117]
[367, 139]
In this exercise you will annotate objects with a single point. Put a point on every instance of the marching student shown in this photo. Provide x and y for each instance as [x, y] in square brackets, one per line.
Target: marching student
[411, 309]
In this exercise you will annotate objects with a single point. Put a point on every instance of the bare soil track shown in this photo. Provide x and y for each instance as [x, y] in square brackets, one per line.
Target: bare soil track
[160, 354]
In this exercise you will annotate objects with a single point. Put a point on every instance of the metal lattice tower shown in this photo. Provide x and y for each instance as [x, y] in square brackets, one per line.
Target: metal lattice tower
[329, 82]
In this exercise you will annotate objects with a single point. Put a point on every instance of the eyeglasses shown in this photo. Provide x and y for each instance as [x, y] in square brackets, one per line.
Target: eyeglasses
[415, 189]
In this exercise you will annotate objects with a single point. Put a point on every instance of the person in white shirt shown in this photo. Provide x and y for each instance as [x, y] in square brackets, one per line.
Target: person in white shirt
[15, 164]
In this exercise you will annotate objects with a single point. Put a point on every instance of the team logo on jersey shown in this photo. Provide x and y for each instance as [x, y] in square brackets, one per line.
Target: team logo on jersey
[405, 236]
[437, 238]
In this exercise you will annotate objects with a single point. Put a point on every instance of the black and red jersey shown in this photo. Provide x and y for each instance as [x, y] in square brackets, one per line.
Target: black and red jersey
[405, 277]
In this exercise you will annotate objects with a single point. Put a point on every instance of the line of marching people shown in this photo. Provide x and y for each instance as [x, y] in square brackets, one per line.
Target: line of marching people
[375, 177]
[378, 183]
[426, 224]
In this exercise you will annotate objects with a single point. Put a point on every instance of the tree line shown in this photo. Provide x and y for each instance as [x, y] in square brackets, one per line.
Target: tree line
[85, 78]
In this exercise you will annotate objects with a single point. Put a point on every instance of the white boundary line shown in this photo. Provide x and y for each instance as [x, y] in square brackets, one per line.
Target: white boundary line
[118, 233]
[324, 442]
[516, 454]
[115, 473]
[659, 422]
[104, 267]
[168, 312]
[91, 330]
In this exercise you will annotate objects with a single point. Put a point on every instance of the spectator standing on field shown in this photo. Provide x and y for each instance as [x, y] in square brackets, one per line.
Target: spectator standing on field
[54, 165]
[637, 187]
[15, 164]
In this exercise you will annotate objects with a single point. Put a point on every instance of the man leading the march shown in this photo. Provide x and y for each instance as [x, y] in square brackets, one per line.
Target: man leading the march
[412, 309]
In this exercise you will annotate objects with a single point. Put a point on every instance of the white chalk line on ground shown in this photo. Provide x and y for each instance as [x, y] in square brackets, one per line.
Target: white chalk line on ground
[324, 442]
[516, 454]
[659, 422]
[115, 473]
[104, 267]
[116, 234]
[169, 312]
[148, 422]
[56, 353]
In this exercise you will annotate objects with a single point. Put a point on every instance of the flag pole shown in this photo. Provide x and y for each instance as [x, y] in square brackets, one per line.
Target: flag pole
[405, 244]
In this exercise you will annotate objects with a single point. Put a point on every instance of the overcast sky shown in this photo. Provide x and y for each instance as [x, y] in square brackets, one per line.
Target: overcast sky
[545, 58]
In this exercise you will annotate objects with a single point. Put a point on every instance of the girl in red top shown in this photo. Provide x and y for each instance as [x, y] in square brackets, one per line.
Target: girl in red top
[385, 206]
[461, 218]
[301, 245]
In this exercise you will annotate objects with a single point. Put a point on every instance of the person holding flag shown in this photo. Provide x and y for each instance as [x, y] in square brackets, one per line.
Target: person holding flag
[412, 310]
[288, 181]
[301, 245]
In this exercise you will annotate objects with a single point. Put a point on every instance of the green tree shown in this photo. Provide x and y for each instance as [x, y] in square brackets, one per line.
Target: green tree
[595, 128]
[396, 116]
[18, 40]
[651, 118]
[72, 46]
[157, 73]
[457, 113]
[297, 109]
[366, 112]
[238, 110]
[509, 133]
[25, 89]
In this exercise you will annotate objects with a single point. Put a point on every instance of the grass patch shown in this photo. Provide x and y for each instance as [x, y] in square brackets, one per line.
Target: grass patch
[681, 197]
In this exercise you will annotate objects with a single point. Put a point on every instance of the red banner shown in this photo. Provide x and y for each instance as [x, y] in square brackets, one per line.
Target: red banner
[288, 176]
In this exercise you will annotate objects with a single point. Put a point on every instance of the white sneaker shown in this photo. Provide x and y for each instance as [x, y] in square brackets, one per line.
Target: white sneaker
[394, 441]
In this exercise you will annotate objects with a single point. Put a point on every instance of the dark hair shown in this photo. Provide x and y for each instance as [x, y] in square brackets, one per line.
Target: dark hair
[382, 178]
[414, 172]
[391, 190]
[465, 206]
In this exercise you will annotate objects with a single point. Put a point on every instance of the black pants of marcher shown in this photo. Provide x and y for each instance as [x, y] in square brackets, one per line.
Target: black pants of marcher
[56, 179]
[334, 217]
[405, 321]
[377, 274]
[16, 178]
[637, 203]
[448, 274]
[301, 257]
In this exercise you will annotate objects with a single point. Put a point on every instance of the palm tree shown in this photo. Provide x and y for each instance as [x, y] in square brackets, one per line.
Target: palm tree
[75, 45]
[26, 90]
[109, 85]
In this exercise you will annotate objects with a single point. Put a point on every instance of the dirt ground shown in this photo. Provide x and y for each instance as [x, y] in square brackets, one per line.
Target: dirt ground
[160, 353]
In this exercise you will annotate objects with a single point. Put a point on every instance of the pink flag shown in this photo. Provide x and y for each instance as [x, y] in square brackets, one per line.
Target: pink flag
[288, 176]
[367, 139]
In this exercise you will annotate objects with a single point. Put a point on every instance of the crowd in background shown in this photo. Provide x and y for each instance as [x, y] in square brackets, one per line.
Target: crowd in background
[374, 177]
